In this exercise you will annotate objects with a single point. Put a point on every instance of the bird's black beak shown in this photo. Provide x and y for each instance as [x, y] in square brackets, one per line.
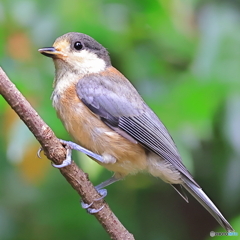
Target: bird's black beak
[50, 52]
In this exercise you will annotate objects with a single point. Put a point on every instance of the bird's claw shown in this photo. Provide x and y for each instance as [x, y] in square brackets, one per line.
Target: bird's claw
[90, 210]
[85, 205]
[39, 152]
[66, 162]
[93, 210]
[103, 193]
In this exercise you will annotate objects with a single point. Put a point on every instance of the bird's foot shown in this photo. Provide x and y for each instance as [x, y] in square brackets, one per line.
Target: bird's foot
[103, 193]
[65, 162]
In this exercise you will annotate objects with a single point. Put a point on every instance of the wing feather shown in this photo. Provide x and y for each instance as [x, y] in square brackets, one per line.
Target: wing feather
[121, 108]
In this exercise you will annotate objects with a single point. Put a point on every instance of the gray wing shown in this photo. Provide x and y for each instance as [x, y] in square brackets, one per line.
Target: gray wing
[121, 108]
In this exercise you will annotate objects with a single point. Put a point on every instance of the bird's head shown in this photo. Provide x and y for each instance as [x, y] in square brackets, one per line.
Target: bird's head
[78, 53]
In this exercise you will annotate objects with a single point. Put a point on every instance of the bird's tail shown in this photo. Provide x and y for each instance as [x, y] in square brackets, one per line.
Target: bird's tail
[198, 193]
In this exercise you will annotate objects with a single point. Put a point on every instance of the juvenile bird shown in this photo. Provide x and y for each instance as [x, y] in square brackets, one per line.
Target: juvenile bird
[107, 117]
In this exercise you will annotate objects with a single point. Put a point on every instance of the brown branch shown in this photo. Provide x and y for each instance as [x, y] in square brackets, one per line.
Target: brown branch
[56, 153]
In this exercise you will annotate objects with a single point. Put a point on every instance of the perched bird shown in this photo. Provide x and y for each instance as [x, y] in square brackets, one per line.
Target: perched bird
[107, 117]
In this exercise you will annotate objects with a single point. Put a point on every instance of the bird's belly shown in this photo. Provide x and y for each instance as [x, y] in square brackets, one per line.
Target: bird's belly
[89, 131]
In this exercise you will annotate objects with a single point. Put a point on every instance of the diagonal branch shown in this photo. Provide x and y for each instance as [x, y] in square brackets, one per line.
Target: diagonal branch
[56, 153]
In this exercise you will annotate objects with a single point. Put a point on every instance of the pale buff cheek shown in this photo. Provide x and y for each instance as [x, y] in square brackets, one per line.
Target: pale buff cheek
[87, 62]
[78, 64]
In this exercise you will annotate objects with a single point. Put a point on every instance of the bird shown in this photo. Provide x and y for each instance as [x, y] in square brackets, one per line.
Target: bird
[109, 121]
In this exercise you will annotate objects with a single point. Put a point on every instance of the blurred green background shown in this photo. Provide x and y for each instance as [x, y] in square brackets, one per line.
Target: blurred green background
[184, 58]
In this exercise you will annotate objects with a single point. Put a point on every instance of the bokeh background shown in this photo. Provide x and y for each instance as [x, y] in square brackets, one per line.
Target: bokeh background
[184, 58]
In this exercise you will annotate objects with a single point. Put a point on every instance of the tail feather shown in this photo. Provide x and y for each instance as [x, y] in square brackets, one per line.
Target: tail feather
[180, 190]
[198, 193]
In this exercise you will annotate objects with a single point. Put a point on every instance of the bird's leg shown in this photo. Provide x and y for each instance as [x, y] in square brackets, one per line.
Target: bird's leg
[103, 192]
[100, 187]
[74, 146]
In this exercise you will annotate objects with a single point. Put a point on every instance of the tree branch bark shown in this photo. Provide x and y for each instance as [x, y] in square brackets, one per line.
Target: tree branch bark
[55, 152]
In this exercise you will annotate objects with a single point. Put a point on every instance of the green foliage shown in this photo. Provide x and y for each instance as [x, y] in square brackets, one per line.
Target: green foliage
[183, 57]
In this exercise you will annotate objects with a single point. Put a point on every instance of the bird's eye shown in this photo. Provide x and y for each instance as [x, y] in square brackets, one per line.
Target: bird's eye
[78, 45]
